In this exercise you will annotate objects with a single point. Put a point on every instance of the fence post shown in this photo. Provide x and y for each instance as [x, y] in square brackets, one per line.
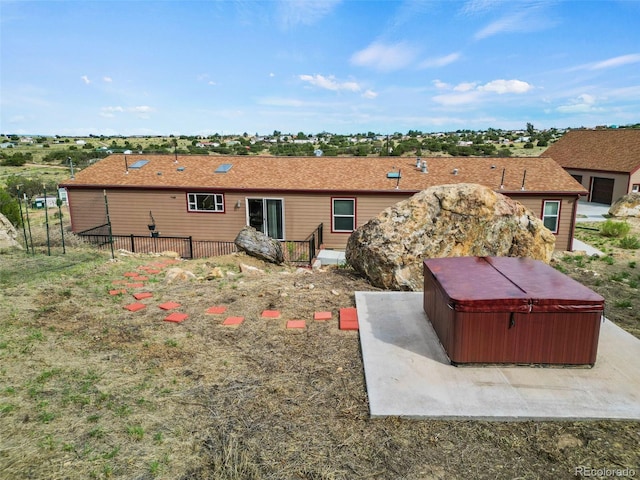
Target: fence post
[133, 244]
[190, 247]
[312, 248]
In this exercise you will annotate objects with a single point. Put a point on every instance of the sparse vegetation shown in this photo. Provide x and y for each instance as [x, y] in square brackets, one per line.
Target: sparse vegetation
[612, 228]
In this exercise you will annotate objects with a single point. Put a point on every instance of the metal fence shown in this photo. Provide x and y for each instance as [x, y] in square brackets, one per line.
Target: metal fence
[295, 251]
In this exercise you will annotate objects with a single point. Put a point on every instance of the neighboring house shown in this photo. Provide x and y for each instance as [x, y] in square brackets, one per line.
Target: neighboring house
[605, 162]
[214, 197]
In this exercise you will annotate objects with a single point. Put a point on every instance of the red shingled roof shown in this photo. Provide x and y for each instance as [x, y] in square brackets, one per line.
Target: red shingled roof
[605, 150]
[314, 174]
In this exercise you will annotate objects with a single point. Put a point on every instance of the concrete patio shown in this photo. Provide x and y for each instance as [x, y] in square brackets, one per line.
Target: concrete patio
[409, 375]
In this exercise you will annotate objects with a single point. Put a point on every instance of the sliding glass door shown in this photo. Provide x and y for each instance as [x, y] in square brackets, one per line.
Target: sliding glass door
[266, 216]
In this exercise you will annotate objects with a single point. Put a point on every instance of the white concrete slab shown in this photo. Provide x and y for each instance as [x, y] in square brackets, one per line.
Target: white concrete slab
[331, 257]
[409, 375]
[580, 246]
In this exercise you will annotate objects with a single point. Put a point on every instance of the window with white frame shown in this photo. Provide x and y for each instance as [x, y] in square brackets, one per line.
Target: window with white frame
[205, 202]
[635, 188]
[343, 213]
[551, 214]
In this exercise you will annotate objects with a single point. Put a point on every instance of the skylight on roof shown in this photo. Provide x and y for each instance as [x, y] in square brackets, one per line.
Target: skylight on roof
[224, 168]
[393, 174]
[139, 164]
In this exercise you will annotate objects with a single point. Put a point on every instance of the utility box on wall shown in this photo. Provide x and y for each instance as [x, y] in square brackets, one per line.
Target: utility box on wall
[506, 310]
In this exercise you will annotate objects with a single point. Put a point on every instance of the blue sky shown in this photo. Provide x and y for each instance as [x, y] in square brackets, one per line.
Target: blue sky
[203, 67]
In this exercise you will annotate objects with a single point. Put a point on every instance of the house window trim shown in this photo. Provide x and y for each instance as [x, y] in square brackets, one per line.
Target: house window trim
[196, 210]
[354, 200]
[635, 188]
[557, 216]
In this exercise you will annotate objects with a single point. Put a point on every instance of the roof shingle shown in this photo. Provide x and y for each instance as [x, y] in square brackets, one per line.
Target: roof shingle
[335, 174]
[604, 150]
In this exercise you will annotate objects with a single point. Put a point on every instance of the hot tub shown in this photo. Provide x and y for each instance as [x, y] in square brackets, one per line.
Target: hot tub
[510, 310]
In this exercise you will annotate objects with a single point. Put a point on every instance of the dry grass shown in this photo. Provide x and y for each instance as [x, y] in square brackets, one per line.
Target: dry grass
[90, 390]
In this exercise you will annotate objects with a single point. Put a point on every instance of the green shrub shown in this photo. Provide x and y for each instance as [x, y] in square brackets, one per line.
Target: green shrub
[630, 242]
[614, 229]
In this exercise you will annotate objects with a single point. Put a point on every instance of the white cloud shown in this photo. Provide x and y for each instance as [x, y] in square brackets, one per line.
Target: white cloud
[616, 62]
[85, 79]
[506, 86]
[370, 94]
[470, 92]
[440, 61]
[440, 85]
[464, 87]
[383, 57]
[107, 79]
[520, 17]
[296, 12]
[581, 104]
[141, 111]
[329, 83]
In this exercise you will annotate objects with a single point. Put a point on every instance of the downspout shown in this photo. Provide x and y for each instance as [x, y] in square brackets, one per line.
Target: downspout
[573, 223]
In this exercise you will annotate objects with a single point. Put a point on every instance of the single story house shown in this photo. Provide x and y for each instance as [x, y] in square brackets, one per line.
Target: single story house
[605, 161]
[214, 197]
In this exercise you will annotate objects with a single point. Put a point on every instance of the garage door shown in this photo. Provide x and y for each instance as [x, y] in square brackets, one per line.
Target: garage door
[602, 190]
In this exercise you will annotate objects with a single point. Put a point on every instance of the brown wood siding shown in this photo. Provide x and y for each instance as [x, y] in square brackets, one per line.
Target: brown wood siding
[86, 209]
[303, 212]
[564, 237]
[621, 181]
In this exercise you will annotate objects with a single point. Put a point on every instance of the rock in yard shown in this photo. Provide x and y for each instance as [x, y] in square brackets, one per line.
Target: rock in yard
[8, 234]
[626, 206]
[178, 274]
[444, 221]
[259, 245]
[250, 270]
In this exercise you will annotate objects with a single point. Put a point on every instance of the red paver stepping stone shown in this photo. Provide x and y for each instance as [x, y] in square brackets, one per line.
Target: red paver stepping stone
[233, 321]
[349, 319]
[270, 314]
[131, 274]
[169, 305]
[134, 285]
[176, 317]
[117, 292]
[142, 279]
[142, 295]
[216, 310]
[152, 271]
[134, 307]
[295, 324]
[322, 316]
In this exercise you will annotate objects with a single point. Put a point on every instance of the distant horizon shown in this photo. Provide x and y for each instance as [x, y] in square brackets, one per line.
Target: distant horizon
[199, 68]
[293, 134]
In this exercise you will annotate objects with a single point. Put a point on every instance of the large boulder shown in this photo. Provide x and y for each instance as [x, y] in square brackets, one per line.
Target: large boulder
[8, 234]
[259, 245]
[444, 221]
[626, 206]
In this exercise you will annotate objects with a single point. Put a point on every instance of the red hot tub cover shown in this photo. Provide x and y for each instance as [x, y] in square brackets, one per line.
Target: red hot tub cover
[510, 310]
[509, 284]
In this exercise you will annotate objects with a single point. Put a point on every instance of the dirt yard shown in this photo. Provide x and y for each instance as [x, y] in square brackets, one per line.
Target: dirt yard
[89, 389]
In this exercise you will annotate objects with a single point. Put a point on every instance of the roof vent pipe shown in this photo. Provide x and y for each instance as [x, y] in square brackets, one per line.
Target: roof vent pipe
[418, 162]
[126, 165]
[455, 171]
[423, 167]
[502, 181]
[524, 176]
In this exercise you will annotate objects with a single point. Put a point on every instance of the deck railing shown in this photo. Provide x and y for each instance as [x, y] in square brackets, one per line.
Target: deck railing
[295, 251]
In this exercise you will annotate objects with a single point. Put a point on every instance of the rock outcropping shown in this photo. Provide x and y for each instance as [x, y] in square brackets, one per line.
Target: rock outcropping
[626, 206]
[444, 221]
[8, 234]
[259, 245]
